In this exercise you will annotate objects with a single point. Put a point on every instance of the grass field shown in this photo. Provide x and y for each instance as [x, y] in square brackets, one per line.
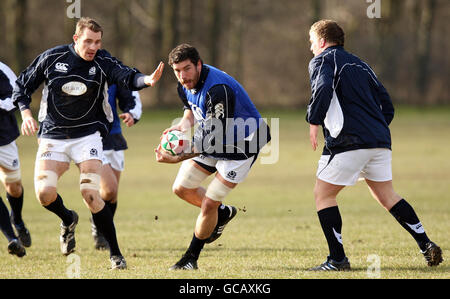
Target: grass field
[276, 233]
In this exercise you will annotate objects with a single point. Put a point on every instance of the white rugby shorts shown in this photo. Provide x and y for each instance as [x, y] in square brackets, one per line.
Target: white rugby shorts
[9, 156]
[346, 168]
[76, 149]
[115, 158]
[233, 171]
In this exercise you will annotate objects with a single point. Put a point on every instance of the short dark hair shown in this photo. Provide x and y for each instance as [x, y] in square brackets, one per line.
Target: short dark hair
[86, 22]
[182, 52]
[330, 31]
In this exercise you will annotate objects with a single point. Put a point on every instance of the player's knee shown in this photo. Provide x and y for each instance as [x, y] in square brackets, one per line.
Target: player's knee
[10, 179]
[89, 182]
[180, 191]
[45, 183]
[217, 191]
[14, 189]
[189, 178]
[46, 196]
[320, 195]
[209, 206]
[109, 194]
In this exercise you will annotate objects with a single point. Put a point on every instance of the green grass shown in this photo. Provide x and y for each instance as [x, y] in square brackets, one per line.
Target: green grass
[276, 234]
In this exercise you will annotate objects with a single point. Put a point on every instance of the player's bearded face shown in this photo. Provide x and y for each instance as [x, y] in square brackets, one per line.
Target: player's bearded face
[87, 44]
[187, 73]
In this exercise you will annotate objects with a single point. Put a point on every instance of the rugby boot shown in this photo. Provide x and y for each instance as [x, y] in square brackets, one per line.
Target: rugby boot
[432, 254]
[16, 248]
[187, 262]
[118, 262]
[67, 236]
[332, 265]
[221, 225]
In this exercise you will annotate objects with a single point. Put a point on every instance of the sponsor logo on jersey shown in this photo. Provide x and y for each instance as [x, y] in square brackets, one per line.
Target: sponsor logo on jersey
[61, 67]
[219, 111]
[74, 88]
[92, 71]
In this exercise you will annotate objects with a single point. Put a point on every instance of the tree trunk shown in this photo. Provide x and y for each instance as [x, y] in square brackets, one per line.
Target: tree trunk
[237, 17]
[169, 38]
[388, 38]
[124, 33]
[424, 32]
[214, 21]
[16, 28]
[316, 10]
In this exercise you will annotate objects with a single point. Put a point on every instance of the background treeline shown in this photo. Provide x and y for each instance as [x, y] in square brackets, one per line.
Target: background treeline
[263, 43]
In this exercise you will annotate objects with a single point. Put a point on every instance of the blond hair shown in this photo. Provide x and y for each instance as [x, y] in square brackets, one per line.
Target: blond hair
[330, 31]
[86, 22]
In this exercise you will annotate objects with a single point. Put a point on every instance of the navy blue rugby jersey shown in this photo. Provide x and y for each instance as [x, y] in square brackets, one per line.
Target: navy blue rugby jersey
[9, 130]
[75, 96]
[219, 100]
[349, 102]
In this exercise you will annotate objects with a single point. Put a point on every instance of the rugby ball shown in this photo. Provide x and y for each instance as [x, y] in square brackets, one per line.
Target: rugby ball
[174, 142]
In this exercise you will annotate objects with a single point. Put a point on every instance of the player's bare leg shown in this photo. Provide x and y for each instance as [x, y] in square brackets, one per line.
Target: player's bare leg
[15, 194]
[384, 193]
[102, 216]
[109, 183]
[194, 196]
[207, 228]
[207, 219]
[46, 177]
[330, 219]
[325, 194]
[109, 187]
[404, 213]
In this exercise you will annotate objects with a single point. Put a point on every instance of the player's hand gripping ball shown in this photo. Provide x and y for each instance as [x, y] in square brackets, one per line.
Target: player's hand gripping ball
[174, 142]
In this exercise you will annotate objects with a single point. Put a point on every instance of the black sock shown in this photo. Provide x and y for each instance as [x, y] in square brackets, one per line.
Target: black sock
[331, 222]
[104, 222]
[195, 247]
[16, 204]
[405, 215]
[112, 207]
[5, 222]
[60, 210]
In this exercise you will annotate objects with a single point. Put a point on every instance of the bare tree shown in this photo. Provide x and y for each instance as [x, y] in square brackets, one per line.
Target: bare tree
[388, 38]
[214, 21]
[425, 11]
[16, 28]
[236, 36]
[316, 10]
